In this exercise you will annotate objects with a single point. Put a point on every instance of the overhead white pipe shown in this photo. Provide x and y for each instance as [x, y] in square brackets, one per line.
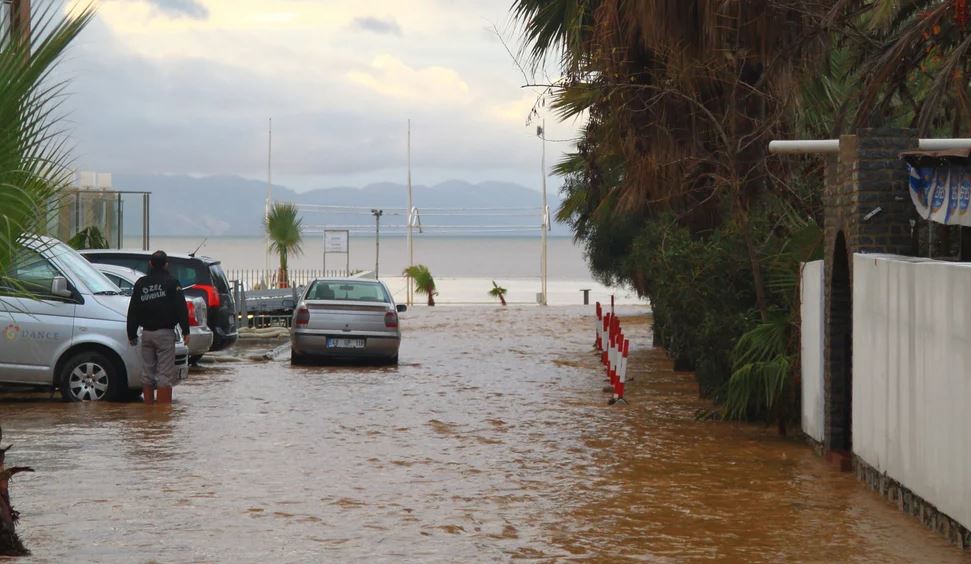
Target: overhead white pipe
[806, 146]
[944, 144]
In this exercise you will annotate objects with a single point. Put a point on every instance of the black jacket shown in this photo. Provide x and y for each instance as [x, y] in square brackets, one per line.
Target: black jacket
[157, 302]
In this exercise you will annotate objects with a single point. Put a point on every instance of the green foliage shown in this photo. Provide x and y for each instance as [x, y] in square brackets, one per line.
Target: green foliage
[701, 293]
[285, 231]
[761, 372]
[88, 238]
[763, 359]
[670, 188]
[34, 160]
[424, 282]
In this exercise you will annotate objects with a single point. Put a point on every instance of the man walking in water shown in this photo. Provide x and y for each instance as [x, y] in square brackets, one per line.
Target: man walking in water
[157, 306]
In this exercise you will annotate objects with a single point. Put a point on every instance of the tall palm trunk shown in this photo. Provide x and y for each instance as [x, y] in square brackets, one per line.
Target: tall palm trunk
[283, 275]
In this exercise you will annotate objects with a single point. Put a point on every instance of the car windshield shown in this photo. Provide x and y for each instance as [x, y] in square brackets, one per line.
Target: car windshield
[347, 291]
[96, 282]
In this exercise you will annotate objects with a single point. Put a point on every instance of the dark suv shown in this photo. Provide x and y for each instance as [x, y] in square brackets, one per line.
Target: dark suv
[198, 276]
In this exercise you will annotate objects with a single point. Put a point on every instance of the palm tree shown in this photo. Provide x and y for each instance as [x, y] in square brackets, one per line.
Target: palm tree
[88, 238]
[920, 67]
[284, 230]
[424, 283]
[499, 292]
[34, 159]
[679, 99]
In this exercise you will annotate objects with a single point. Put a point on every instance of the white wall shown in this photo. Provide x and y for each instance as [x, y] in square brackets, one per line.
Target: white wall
[813, 399]
[912, 376]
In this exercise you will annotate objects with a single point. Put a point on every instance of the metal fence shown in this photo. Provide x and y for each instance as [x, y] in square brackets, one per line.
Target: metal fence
[262, 308]
[260, 279]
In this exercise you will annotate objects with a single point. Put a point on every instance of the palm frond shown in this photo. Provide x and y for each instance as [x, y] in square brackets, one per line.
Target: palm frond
[424, 282]
[34, 156]
[285, 230]
[761, 369]
[497, 290]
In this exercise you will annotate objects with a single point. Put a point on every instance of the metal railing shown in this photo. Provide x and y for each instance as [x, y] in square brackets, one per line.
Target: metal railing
[255, 313]
[261, 279]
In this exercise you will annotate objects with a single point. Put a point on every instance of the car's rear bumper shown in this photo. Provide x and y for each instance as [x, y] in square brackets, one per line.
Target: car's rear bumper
[181, 362]
[200, 340]
[315, 344]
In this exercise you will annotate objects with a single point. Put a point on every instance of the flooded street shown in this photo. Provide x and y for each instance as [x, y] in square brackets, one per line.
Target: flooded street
[492, 441]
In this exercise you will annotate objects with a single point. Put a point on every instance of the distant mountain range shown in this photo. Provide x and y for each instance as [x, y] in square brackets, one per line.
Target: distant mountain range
[232, 206]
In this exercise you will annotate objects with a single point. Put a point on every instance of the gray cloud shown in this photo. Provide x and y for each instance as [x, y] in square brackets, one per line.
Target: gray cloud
[133, 114]
[190, 8]
[384, 26]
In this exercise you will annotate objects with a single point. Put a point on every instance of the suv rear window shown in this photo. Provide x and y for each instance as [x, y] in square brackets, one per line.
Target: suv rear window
[186, 271]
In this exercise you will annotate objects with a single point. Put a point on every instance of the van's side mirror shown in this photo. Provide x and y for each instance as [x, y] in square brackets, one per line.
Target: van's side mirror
[289, 303]
[59, 287]
[401, 308]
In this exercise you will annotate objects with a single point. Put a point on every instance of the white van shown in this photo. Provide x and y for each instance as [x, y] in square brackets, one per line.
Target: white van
[72, 334]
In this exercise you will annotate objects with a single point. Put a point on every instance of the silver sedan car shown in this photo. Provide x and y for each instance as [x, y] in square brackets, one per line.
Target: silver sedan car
[345, 318]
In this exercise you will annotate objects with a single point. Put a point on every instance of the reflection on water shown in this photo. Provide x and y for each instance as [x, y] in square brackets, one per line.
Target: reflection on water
[491, 441]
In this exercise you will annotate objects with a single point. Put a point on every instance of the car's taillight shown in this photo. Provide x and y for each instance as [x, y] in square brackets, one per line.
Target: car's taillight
[391, 319]
[212, 295]
[303, 316]
[193, 320]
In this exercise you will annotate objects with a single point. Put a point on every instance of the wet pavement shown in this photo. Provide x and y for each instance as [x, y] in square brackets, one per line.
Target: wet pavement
[491, 441]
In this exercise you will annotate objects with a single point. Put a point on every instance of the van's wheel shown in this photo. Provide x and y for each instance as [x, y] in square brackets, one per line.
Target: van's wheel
[91, 376]
[194, 360]
[393, 361]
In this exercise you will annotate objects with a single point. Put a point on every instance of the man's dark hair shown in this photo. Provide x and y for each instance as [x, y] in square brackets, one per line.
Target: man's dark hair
[158, 260]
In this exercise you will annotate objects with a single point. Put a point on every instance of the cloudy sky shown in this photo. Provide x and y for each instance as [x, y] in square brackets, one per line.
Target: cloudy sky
[187, 86]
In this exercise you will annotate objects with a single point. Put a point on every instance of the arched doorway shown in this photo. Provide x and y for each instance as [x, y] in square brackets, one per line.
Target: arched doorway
[839, 399]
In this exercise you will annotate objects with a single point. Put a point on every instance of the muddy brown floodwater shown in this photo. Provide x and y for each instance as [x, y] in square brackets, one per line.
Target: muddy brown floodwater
[492, 441]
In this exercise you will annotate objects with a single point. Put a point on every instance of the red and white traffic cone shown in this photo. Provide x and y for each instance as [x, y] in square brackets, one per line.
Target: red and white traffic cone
[599, 342]
[606, 332]
[611, 360]
[617, 361]
[622, 376]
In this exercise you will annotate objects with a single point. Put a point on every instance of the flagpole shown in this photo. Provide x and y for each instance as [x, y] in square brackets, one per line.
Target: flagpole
[411, 243]
[269, 197]
[545, 224]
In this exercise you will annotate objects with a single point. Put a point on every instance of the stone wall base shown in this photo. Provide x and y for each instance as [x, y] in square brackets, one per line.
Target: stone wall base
[816, 445]
[912, 504]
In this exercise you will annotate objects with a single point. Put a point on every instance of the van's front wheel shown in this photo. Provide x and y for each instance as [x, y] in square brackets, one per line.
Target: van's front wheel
[91, 376]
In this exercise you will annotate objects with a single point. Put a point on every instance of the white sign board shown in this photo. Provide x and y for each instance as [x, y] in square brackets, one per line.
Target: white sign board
[335, 241]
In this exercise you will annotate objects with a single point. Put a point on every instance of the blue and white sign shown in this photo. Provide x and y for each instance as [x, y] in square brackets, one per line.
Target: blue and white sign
[942, 194]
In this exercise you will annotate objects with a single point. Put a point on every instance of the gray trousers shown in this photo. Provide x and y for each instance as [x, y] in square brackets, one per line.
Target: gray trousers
[158, 358]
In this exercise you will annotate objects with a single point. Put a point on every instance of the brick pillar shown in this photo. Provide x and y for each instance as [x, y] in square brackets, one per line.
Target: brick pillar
[866, 175]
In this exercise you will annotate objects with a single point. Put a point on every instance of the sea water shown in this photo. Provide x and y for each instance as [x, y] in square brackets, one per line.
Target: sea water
[463, 267]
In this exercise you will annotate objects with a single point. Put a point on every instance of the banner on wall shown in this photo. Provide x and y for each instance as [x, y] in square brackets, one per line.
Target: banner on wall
[942, 193]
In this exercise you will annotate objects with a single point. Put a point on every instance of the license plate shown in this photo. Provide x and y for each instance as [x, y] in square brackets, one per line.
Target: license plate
[344, 343]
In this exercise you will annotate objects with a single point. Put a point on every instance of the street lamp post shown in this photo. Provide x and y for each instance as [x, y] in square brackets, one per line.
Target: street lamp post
[377, 239]
[541, 132]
